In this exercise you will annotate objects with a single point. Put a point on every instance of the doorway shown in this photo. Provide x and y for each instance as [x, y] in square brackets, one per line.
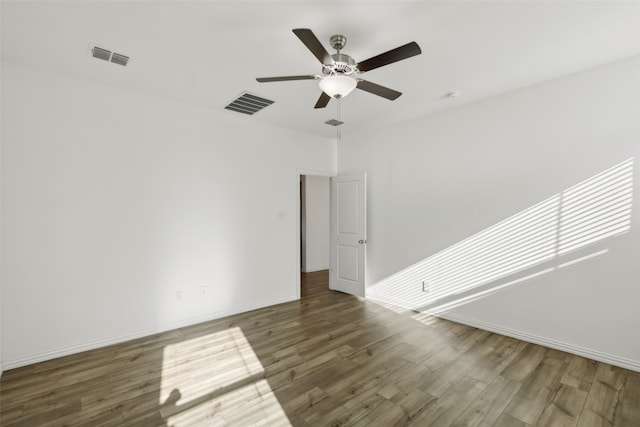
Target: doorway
[314, 223]
[345, 239]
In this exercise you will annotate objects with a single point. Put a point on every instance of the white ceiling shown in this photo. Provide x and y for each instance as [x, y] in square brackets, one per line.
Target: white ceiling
[208, 52]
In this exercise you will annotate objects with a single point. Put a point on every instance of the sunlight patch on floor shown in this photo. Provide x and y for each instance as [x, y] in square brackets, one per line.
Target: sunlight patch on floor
[426, 318]
[254, 404]
[216, 379]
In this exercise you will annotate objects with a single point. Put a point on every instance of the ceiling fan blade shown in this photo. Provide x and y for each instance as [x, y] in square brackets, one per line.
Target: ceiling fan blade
[394, 55]
[309, 39]
[284, 78]
[322, 101]
[376, 89]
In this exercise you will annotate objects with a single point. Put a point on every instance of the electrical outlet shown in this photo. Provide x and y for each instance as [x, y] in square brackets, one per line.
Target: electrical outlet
[178, 295]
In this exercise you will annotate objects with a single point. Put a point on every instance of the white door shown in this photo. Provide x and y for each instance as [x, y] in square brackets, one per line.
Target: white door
[348, 233]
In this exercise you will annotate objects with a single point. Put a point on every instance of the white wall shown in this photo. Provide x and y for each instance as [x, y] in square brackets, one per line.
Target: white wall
[1, 365]
[435, 181]
[114, 201]
[316, 223]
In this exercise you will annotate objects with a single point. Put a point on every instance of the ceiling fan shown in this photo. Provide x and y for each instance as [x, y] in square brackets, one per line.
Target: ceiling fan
[340, 72]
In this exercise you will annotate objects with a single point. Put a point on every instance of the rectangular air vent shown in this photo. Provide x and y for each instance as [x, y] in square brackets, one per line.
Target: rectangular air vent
[334, 122]
[247, 103]
[119, 59]
[107, 55]
[100, 53]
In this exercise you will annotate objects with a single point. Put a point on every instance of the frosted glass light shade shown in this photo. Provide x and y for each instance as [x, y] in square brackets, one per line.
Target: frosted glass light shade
[337, 86]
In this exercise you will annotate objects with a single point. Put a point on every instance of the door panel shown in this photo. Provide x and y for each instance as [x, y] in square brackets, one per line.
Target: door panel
[348, 233]
[348, 207]
[347, 263]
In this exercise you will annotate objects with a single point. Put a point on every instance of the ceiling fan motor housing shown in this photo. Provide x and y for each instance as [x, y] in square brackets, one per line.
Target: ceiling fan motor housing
[342, 65]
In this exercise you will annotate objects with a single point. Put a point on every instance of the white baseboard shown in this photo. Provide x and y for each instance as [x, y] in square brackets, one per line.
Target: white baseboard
[611, 359]
[66, 351]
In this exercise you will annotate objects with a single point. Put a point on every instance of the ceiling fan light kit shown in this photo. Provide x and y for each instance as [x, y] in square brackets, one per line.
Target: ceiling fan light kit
[340, 72]
[337, 86]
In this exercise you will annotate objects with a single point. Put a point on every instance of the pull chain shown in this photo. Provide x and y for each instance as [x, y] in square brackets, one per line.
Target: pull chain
[339, 134]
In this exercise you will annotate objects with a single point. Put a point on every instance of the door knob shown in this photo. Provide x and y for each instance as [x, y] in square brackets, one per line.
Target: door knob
[362, 242]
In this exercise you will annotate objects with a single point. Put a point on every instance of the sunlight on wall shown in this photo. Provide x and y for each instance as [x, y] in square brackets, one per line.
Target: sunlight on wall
[216, 378]
[588, 212]
[596, 208]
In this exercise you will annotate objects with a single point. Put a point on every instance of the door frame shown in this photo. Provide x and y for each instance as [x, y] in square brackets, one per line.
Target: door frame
[299, 173]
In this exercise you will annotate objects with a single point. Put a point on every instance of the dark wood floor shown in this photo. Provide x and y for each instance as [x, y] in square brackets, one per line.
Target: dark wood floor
[328, 359]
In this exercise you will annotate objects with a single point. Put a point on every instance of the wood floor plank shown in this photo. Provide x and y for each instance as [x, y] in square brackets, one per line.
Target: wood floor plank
[450, 404]
[548, 372]
[487, 408]
[444, 379]
[564, 408]
[385, 414]
[495, 361]
[604, 396]
[524, 364]
[327, 359]
[629, 408]
[506, 420]
[528, 403]
[413, 403]
[580, 373]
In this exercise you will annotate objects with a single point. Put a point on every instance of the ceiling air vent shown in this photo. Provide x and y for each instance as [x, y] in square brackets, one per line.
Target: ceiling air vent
[119, 59]
[100, 53]
[247, 103]
[107, 55]
[334, 122]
